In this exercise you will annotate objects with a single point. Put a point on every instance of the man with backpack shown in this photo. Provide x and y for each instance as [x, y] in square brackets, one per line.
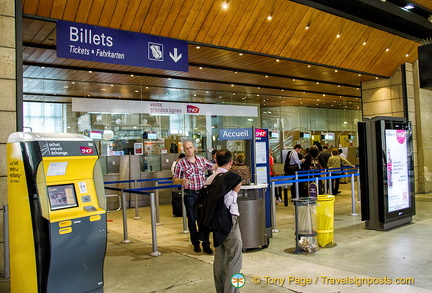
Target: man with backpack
[221, 212]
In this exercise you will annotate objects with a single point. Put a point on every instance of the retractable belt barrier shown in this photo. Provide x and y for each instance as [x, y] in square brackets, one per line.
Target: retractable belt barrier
[154, 205]
[289, 180]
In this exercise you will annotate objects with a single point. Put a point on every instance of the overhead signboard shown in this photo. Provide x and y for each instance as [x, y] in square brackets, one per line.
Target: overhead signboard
[160, 108]
[100, 44]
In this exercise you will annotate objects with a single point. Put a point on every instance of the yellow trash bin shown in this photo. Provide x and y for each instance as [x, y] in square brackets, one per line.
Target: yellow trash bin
[325, 219]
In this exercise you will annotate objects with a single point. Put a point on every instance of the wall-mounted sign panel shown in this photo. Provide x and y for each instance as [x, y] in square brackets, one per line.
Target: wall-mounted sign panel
[100, 44]
[235, 134]
[161, 108]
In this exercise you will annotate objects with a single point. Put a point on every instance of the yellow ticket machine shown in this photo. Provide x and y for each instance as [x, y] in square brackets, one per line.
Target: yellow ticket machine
[57, 213]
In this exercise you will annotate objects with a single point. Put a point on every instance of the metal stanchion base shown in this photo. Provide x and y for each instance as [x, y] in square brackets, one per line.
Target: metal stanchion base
[158, 224]
[275, 230]
[185, 231]
[155, 253]
[126, 241]
[137, 218]
[354, 214]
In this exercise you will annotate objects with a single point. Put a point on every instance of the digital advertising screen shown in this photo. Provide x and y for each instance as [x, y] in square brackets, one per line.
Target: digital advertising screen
[62, 196]
[398, 184]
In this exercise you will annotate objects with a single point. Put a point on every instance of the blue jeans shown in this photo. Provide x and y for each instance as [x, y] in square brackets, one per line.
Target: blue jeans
[189, 201]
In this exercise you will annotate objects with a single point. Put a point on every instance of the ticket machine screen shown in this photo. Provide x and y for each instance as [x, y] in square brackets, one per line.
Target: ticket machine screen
[62, 196]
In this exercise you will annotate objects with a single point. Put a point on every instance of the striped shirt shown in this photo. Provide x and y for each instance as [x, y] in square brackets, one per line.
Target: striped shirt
[194, 172]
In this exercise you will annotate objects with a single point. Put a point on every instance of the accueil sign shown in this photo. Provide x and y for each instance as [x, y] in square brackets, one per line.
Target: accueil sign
[160, 108]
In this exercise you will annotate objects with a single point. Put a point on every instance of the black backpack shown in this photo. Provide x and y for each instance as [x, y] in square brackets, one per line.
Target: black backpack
[205, 206]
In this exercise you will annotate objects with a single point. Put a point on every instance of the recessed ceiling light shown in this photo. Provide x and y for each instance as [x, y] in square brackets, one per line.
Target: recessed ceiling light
[388, 49]
[406, 55]
[277, 60]
[224, 5]
[307, 27]
[409, 6]
[240, 54]
[197, 47]
[269, 18]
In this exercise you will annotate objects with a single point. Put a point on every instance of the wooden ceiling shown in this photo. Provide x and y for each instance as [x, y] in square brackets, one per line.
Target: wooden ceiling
[235, 55]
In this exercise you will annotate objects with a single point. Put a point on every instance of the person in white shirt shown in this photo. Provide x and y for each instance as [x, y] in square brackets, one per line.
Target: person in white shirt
[228, 255]
[181, 156]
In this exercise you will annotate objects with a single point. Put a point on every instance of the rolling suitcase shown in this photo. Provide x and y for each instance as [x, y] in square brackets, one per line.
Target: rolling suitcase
[176, 203]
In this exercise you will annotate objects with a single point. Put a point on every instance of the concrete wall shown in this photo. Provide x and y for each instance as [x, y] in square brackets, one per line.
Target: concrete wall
[383, 97]
[7, 97]
[423, 107]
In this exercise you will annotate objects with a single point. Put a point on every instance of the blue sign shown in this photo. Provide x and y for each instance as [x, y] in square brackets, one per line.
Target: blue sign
[235, 134]
[107, 45]
[313, 190]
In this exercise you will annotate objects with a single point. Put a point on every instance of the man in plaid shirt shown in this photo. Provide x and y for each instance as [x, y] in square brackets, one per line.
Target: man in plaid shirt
[190, 172]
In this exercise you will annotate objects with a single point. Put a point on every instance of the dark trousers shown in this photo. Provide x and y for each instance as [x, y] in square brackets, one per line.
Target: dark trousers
[335, 185]
[189, 201]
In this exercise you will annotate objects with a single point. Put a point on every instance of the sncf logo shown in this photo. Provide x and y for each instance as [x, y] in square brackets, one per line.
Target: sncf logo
[260, 133]
[192, 109]
[86, 150]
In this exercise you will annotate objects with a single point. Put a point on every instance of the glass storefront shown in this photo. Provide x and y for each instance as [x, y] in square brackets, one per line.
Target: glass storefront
[156, 140]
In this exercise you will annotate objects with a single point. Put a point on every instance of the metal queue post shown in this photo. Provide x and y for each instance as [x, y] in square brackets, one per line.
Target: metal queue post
[155, 252]
[125, 229]
[153, 209]
[278, 182]
[185, 226]
[137, 217]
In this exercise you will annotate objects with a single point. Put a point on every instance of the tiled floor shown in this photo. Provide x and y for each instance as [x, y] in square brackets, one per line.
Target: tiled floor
[377, 256]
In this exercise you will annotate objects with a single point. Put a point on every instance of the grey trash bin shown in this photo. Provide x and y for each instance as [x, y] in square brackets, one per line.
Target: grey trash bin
[252, 216]
[305, 224]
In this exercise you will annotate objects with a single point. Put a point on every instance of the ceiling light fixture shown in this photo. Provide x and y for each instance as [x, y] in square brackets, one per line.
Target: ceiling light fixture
[269, 18]
[406, 55]
[307, 27]
[364, 43]
[408, 7]
[225, 5]
[338, 35]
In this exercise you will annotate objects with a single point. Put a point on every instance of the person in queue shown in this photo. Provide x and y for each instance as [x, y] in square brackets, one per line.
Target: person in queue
[292, 165]
[278, 190]
[181, 156]
[190, 173]
[228, 246]
[335, 161]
